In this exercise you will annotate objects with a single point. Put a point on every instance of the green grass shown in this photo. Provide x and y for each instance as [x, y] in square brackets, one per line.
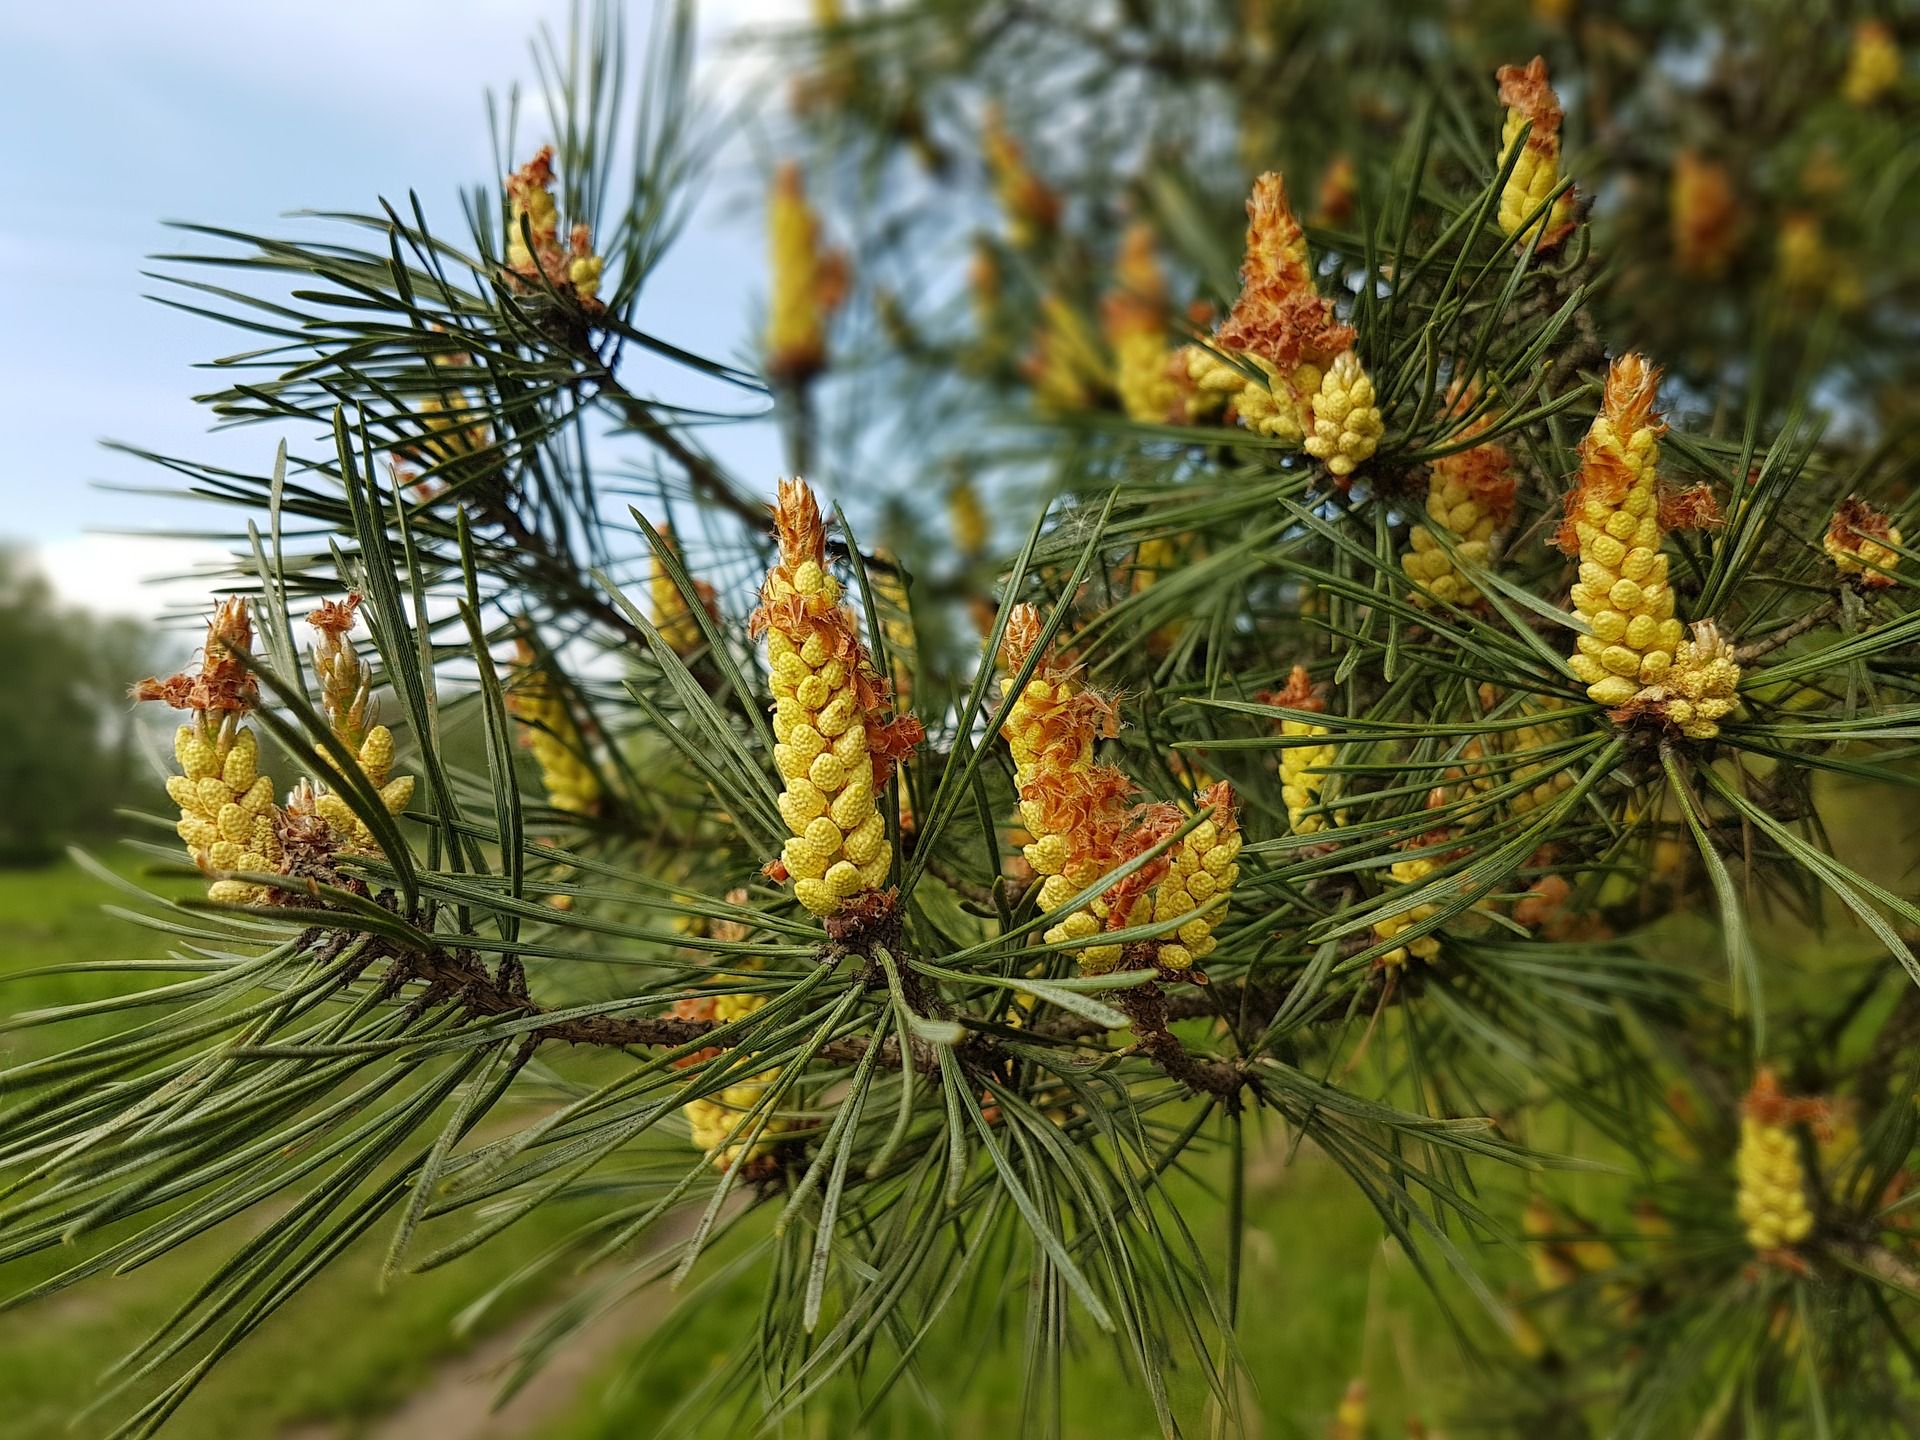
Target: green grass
[341, 1353]
[1323, 1300]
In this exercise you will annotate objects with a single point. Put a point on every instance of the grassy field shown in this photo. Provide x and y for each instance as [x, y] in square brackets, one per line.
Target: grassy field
[346, 1362]
[339, 1354]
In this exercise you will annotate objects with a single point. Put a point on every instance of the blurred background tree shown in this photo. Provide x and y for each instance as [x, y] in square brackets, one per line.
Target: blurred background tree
[70, 758]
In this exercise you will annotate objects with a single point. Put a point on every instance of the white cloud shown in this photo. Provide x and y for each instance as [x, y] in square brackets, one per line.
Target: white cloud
[135, 575]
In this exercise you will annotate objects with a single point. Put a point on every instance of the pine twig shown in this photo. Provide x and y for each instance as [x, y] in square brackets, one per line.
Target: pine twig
[1817, 616]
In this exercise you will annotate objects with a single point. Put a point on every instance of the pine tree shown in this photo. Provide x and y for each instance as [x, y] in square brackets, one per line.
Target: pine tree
[1387, 673]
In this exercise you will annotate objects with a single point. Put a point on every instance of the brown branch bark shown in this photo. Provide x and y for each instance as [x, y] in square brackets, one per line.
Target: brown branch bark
[1146, 1006]
[459, 978]
[701, 472]
[1819, 615]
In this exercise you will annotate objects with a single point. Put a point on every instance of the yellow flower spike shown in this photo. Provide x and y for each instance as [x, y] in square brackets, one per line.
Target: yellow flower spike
[718, 1122]
[1470, 495]
[1771, 1200]
[345, 699]
[1634, 658]
[1704, 216]
[809, 282]
[1148, 390]
[1346, 421]
[451, 424]
[584, 268]
[228, 820]
[966, 519]
[1530, 101]
[1078, 813]
[345, 680]
[1873, 63]
[1702, 688]
[1200, 877]
[549, 731]
[1410, 871]
[1303, 775]
[1529, 737]
[1351, 1416]
[1315, 392]
[835, 745]
[1801, 252]
[1135, 314]
[535, 253]
[672, 616]
[1031, 208]
[1203, 404]
[1277, 406]
[1860, 541]
[1066, 367]
[533, 219]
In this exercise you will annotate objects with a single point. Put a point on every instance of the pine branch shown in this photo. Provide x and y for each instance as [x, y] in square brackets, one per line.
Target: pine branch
[1786, 634]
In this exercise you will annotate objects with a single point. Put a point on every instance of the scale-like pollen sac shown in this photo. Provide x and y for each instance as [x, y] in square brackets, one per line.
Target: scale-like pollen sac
[548, 729]
[1066, 367]
[1076, 811]
[1860, 542]
[1873, 63]
[1136, 315]
[1704, 216]
[452, 423]
[1703, 687]
[1031, 207]
[672, 616]
[346, 683]
[809, 282]
[1410, 871]
[1555, 777]
[226, 805]
[1346, 420]
[1313, 390]
[834, 747]
[1303, 768]
[535, 252]
[1277, 405]
[227, 812]
[1200, 876]
[1771, 1200]
[1470, 496]
[1635, 658]
[1530, 101]
[718, 1122]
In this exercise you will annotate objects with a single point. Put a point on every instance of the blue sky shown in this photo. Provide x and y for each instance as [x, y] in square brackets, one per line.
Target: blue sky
[126, 114]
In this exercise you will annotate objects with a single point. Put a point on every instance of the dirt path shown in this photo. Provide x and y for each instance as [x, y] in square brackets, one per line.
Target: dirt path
[457, 1402]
